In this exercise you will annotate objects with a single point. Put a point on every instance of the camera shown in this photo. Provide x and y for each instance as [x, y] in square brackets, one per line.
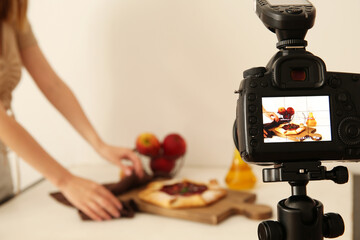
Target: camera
[293, 114]
[294, 109]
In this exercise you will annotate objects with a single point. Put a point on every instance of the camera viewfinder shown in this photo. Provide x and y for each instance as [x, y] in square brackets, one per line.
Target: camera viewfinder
[298, 74]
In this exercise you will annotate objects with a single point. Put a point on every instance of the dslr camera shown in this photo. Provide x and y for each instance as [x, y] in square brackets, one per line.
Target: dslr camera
[294, 109]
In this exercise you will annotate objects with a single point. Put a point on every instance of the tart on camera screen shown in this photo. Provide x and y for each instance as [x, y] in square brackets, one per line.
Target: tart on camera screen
[296, 119]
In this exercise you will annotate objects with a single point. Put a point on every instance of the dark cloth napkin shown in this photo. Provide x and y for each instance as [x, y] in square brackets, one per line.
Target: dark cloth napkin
[126, 184]
[273, 124]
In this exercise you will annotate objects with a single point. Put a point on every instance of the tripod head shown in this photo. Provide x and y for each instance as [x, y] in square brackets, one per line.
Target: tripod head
[289, 20]
[299, 216]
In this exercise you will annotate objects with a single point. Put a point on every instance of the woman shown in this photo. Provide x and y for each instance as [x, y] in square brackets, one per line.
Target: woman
[18, 47]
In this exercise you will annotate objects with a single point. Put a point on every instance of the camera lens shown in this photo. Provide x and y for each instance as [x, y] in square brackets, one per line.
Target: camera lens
[298, 74]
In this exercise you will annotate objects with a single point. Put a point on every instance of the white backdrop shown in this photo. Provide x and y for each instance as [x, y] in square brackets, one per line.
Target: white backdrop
[162, 66]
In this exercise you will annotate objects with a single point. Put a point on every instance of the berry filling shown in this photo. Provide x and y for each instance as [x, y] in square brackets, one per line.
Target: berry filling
[184, 189]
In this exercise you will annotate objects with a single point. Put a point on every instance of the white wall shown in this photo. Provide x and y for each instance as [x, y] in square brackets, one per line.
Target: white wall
[162, 66]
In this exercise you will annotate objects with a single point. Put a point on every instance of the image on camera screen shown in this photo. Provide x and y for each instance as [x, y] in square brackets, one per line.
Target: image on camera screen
[296, 119]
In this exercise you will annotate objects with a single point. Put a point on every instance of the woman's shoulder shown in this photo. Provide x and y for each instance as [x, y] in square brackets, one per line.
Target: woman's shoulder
[24, 34]
[8, 32]
[8, 26]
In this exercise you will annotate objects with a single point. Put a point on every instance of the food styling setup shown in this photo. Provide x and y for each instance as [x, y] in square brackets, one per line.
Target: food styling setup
[161, 192]
[291, 117]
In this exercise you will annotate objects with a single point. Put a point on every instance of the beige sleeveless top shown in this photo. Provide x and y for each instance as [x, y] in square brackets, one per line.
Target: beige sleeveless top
[12, 42]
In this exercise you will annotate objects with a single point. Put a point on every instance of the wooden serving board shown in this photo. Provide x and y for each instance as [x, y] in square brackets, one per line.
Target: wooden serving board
[235, 202]
[307, 133]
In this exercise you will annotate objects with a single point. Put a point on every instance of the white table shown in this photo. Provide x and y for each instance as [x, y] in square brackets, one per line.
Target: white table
[33, 215]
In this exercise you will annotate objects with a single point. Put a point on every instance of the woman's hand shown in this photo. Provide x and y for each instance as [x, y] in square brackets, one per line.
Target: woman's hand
[93, 199]
[272, 116]
[116, 155]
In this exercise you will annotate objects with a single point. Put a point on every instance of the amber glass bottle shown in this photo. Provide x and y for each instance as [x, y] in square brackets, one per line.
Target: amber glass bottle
[240, 175]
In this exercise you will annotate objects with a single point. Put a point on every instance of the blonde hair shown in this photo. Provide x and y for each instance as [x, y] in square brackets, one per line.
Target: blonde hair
[14, 11]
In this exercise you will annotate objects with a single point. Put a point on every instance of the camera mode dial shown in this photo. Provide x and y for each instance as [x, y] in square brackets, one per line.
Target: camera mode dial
[254, 72]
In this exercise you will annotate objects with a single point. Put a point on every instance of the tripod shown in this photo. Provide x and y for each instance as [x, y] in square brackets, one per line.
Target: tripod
[299, 216]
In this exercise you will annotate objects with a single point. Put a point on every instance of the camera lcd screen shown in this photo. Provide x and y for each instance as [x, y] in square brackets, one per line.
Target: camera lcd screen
[288, 2]
[296, 119]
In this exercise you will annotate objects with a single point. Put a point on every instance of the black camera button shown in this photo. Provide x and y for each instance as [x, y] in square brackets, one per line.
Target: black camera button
[349, 130]
[355, 78]
[348, 107]
[264, 83]
[253, 131]
[252, 108]
[339, 113]
[252, 120]
[253, 84]
[254, 143]
[353, 131]
[252, 97]
[342, 97]
[334, 82]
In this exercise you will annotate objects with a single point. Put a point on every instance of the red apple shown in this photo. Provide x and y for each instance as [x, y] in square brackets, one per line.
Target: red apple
[290, 111]
[148, 144]
[162, 164]
[281, 110]
[174, 146]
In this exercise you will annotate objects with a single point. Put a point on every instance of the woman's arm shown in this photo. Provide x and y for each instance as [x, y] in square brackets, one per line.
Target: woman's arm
[19, 140]
[62, 98]
[93, 199]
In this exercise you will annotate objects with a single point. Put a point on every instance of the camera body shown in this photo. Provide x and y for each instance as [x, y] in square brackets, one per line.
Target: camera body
[293, 109]
[333, 99]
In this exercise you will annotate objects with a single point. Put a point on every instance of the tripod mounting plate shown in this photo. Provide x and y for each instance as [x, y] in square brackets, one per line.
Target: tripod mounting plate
[304, 172]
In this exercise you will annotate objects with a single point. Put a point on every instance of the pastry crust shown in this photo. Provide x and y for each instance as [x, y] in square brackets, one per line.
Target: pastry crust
[300, 129]
[153, 194]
